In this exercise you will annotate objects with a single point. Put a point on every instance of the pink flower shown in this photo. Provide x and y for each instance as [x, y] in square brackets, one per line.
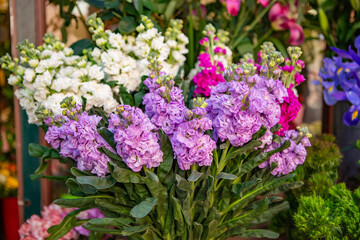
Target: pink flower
[284, 17]
[265, 3]
[289, 110]
[233, 6]
[299, 78]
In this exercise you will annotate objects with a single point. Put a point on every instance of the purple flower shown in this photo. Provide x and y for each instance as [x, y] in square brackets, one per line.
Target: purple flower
[288, 159]
[79, 140]
[88, 214]
[190, 143]
[135, 137]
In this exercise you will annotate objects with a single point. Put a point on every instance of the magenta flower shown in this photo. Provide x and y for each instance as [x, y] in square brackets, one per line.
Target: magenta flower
[265, 3]
[283, 17]
[233, 6]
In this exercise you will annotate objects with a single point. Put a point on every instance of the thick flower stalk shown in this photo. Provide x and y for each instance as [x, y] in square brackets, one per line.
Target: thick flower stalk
[288, 159]
[136, 140]
[76, 136]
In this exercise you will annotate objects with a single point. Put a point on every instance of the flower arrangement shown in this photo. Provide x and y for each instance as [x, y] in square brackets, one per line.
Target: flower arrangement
[341, 81]
[8, 180]
[166, 168]
[51, 72]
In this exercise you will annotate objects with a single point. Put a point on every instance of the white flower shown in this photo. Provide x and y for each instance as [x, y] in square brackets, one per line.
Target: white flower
[157, 43]
[116, 40]
[68, 51]
[96, 73]
[14, 80]
[70, 60]
[171, 43]
[60, 84]
[96, 53]
[29, 75]
[33, 63]
[43, 80]
[46, 53]
[100, 41]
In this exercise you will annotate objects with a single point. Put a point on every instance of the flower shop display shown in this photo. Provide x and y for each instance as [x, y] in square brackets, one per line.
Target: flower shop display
[156, 165]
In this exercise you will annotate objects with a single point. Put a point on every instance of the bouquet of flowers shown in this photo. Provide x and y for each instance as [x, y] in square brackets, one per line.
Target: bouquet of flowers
[341, 81]
[165, 169]
[8, 180]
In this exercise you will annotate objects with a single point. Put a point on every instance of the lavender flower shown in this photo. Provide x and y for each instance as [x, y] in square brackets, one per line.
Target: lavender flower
[78, 139]
[164, 104]
[288, 159]
[239, 108]
[190, 143]
[136, 141]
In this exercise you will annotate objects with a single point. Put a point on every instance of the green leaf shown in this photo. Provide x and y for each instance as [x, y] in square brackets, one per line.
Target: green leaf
[108, 137]
[237, 151]
[275, 128]
[271, 212]
[143, 209]
[178, 216]
[227, 176]
[80, 202]
[77, 172]
[136, 229]
[100, 4]
[149, 235]
[112, 4]
[37, 150]
[112, 205]
[260, 233]
[198, 230]
[245, 186]
[138, 97]
[60, 230]
[127, 25]
[82, 44]
[138, 6]
[124, 175]
[116, 222]
[183, 184]
[157, 6]
[126, 97]
[195, 175]
[99, 183]
[168, 156]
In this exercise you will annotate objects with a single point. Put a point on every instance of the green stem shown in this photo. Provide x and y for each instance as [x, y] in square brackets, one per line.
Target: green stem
[240, 21]
[253, 24]
[222, 162]
[191, 38]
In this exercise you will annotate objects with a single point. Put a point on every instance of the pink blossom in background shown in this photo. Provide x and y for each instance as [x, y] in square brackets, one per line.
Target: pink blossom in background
[233, 6]
[265, 3]
[284, 17]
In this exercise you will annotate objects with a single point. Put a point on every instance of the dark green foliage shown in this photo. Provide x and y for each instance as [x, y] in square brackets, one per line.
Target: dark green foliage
[230, 198]
[319, 174]
[334, 217]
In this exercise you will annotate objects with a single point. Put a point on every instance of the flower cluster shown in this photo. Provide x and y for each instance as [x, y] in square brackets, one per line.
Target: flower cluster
[49, 73]
[125, 58]
[190, 143]
[239, 107]
[136, 141]
[36, 227]
[341, 81]
[8, 179]
[288, 159]
[164, 104]
[211, 64]
[186, 129]
[269, 64]
[75, 134]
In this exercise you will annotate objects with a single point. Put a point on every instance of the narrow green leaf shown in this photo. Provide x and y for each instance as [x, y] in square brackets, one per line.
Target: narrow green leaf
[116, 222]
[98, 182]
[125, 175]
[143, 209]
[227, 176]
[195, 175]
[260, 233]
[62, 229]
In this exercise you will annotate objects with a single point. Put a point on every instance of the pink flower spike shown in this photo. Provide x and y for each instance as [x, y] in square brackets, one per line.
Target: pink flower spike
[203, 40]
[264, 3]
[233, 6]
[296, 34]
